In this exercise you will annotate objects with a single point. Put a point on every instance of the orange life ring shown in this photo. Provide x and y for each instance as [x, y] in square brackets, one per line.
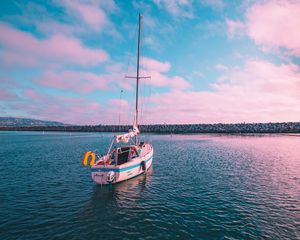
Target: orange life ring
[86, 157]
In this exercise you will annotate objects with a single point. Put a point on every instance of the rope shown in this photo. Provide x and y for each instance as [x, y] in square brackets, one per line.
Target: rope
[120, 110]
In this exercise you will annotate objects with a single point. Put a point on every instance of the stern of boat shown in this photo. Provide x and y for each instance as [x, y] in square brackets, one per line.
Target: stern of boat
[104, 177]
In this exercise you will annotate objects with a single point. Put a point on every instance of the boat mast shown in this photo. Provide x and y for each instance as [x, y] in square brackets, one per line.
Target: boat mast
[137, 78]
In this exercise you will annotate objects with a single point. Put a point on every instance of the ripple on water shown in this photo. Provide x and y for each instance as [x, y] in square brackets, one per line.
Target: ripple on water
[200, 187]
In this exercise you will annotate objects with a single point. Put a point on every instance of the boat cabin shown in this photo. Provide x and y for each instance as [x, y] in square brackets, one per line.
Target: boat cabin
[124, 154]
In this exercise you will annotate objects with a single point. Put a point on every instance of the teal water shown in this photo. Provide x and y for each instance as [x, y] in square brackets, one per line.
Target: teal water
[200, 187]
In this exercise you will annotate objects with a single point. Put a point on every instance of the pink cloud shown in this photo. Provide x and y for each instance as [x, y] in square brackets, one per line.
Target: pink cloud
[122, 111]
[74, 110]
[24, 47]
[159, 78]
[12, 59]
[61, 108]
[221, 67]
[258, 92]
[86, 82]
[33, 95]
[7, 82]
[118, 103]
[275, 24]
[91, 14]
[235, 28]
[153, 42]
[154, 65]
[159, 73]
[51, 27]
[81, 82]
[116, 67]
[7, 95]
[281, 82]
[80, 17]
[177, 8]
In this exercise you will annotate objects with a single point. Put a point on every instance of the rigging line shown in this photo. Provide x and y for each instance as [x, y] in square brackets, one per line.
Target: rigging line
[146, 85]
[144, 105]
[143, 84]
[120, 107]
[131, 58]
[146, 99]
[142, 93]
[144, 102]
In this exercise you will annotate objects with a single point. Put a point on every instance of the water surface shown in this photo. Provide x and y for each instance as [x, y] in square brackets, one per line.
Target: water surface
[200, 187]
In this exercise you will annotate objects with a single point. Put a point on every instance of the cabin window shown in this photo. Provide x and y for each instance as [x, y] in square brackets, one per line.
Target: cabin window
[123, 157]
[124, 154]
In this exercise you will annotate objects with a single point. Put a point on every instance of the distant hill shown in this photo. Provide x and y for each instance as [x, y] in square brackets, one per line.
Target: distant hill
[27, 122]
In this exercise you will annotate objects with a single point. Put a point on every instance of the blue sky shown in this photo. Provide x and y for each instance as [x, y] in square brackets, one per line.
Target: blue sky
[210, 61]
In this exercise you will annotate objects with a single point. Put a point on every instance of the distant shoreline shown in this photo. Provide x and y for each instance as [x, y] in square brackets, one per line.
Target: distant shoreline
[238, 128]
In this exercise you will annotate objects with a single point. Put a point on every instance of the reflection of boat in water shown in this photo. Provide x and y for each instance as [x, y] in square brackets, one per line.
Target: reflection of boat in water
[123, 161]
[107, 197]
[140, 182]
[135, 185]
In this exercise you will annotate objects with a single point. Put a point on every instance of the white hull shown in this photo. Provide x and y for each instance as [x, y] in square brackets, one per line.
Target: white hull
[122, 172]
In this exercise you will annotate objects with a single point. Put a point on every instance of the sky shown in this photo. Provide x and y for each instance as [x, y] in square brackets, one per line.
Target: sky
[210, 61]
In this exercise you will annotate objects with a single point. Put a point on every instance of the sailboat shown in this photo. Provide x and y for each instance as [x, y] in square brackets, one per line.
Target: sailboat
[123, 160]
